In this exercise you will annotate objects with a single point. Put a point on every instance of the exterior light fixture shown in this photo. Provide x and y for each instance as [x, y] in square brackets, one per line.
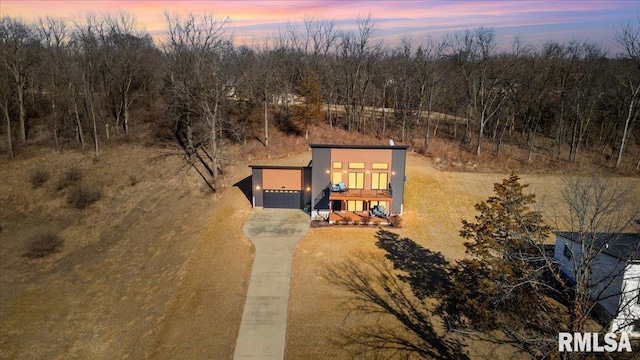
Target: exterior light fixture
[308, 189]
[258, 187]
[328, 171]
[393, 173]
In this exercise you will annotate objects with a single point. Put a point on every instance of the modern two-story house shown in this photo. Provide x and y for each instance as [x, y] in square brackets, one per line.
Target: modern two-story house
[615, 274]
[340, 181]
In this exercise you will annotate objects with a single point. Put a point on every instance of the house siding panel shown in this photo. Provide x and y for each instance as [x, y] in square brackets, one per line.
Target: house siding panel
[398, 159]
[307, 188]
[629, 307]
[321, 177]
[256, 181]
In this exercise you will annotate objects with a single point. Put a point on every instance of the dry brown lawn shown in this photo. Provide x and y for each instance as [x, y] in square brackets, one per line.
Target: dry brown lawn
[159, 268]
[435, 204]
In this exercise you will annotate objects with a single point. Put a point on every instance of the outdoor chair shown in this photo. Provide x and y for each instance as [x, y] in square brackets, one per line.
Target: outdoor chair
[342, 187]
[378, 211]
[335, 187]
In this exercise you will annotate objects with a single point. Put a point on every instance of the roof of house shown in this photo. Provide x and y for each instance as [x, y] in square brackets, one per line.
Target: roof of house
[284, 167]
[624, 246]
[346, 146]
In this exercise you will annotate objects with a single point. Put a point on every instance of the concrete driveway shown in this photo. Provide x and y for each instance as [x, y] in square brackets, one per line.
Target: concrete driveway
[274, 233]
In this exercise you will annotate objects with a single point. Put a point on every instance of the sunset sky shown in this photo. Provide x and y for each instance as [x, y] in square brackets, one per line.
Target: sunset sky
[251, 21]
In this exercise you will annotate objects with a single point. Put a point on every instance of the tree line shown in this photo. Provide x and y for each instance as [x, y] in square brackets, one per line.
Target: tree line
[86, 77]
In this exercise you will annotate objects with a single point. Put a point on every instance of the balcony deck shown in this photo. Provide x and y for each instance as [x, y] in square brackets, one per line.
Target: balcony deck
[380, 195]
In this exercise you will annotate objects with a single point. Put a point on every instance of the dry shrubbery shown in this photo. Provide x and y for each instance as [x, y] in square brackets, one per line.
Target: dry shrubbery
[395, 221]
[39, 176]
[81, 196]
[72, 176]
[42, 245]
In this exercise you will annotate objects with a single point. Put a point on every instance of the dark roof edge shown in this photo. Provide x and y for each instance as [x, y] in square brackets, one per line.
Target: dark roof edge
[346, 146]
[278, 166]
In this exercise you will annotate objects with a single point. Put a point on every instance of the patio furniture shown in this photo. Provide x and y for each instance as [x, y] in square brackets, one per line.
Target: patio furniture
[342, 187]
[378, 211]
[335, 188]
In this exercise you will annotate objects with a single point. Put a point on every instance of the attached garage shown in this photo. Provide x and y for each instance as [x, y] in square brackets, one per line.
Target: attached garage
[282, 199]
[281, 187]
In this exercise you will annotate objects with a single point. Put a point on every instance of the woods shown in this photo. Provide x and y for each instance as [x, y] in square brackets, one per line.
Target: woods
[104, 76]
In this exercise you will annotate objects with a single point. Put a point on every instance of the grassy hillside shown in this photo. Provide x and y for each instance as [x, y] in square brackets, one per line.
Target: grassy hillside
[157, 267]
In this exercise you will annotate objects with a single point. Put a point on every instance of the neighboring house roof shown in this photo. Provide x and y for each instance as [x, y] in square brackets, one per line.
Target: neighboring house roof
[624, 246]
[341, 146]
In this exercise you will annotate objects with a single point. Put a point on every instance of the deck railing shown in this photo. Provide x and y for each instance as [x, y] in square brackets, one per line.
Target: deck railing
[385, 193]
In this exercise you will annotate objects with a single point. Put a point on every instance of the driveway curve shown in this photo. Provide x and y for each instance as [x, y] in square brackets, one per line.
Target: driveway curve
[274, 233]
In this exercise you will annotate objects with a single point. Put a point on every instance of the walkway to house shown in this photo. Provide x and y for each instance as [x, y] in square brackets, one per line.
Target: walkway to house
[274, 233]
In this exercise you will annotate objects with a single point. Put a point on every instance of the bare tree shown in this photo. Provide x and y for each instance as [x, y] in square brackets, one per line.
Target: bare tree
[18, 45]
[5, 102]
[629, 38]
[588, 60]
[87, 47]
[197, 48]
[429, 75]
[487, 80]
[125, 50]
[54, 37]
[356, 51]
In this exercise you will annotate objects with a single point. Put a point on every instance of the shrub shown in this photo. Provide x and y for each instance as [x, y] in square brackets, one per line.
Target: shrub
[38, 177]
[82, 196]
[133, 180]
[70, 177]
[395, 221]
[42, 245]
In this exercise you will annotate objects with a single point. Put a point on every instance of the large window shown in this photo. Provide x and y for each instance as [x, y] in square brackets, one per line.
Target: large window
[379, 181]
[337, 177]
[355, 205]
[356, 180]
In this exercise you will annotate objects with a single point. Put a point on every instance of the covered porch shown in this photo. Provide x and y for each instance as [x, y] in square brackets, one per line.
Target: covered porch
[353, 206]
[356, 218]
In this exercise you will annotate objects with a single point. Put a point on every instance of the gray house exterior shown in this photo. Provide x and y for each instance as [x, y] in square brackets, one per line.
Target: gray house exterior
[372, 176]
[615, 275]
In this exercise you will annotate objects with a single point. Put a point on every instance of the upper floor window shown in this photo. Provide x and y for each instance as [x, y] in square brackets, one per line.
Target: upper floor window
[337, 177]
[379, 166]
[356, 165]
[337, 165]
[567, 251]
[356, 180]
[379, 181]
